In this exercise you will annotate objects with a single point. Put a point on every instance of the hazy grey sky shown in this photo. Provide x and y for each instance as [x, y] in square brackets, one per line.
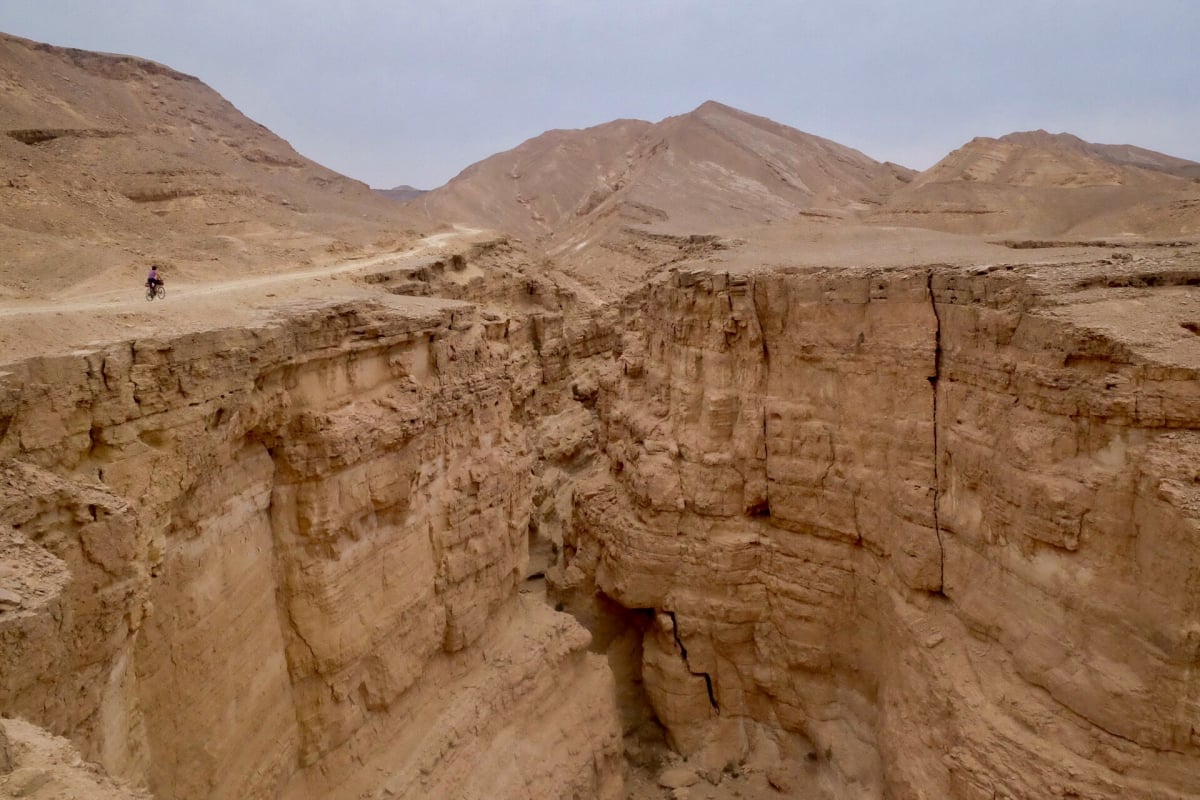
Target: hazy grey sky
[403, 91]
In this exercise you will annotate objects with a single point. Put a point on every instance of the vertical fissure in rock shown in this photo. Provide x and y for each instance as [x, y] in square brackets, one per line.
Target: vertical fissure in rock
[283, 608]
[933, 385]
[763, 509]
[762, 331]
[708, 684]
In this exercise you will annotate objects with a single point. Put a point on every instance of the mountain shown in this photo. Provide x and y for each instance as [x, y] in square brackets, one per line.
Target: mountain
[713, 169]
[108, 162]
[1045, 184]
[1126, 155]
[534, 188]
[402, 193]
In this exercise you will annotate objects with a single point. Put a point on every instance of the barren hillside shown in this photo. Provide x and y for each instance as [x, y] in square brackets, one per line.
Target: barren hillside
[600, 199]
[533, 189]
[110, 162]
[402, 193]
[1056, 185]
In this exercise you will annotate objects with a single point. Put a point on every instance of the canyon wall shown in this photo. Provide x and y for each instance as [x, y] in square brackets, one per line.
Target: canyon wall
[249, 559]
[905, 529]
[891, 533]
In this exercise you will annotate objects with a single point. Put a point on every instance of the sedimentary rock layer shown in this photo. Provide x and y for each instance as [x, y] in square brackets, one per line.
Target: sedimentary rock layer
[938, 541]
[913, 532]
[256, 546]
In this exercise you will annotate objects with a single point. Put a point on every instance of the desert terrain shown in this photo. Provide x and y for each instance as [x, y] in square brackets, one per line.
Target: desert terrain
[701, 458]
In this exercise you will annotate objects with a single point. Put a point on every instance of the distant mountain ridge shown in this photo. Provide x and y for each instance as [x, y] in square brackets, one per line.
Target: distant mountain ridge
[713, 168]
[717, 168]
[402, 193]
[1038, 158]
[1048, 184]
[1118, 154]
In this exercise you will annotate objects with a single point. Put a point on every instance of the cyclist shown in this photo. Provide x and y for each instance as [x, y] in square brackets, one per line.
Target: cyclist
[152, 280]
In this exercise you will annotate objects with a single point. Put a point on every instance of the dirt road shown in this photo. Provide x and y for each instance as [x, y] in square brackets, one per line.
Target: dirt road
[38, 327]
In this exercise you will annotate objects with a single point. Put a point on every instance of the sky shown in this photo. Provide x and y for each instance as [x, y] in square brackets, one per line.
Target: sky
[412, 91]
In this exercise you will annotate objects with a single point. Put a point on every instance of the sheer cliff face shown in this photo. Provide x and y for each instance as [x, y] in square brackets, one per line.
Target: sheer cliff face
[296, 545]
[945, 540]
[904, 533]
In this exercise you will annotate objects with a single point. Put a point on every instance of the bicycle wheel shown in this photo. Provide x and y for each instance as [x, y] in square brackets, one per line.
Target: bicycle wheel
[149, 292]
[161, 292]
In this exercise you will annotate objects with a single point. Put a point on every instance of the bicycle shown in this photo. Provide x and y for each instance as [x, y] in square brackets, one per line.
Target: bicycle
[158, 290]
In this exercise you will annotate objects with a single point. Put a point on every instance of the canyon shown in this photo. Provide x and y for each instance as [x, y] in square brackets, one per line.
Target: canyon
[904, 531]
[660, 501]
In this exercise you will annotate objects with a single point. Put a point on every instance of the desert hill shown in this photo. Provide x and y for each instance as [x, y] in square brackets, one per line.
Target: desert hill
[534, 188]
[1044, 184]
[108, 162]
[602, 199]
[1117, 154]
[613, 201]
[714, 168]
[402, 193]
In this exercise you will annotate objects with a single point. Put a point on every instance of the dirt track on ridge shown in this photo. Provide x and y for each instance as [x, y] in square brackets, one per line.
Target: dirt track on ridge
[29, 328]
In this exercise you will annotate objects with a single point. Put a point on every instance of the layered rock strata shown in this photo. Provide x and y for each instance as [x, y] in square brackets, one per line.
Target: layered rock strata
[913, 532]
[261, 549]
[905, 528]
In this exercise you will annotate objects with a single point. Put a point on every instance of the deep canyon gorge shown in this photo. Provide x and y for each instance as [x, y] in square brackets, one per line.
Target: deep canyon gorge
[698, 459]
[919, 531]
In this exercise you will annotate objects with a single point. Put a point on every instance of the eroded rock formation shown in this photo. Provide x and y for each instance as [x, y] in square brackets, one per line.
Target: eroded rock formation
[945, 540]
[912, 532]
[290, 546]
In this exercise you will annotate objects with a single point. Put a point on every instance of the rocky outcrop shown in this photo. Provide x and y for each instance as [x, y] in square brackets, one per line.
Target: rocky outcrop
[263, 546]
[935, 541]
[38, 766]
[911, 532]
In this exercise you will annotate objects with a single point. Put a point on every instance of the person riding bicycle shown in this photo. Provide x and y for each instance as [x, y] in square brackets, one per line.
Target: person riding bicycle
[152, 280]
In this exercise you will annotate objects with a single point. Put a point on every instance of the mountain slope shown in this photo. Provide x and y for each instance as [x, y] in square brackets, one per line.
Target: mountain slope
[109, 162]
[1044, 184]
[533, 188]
[402, 193]
[714, 168]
